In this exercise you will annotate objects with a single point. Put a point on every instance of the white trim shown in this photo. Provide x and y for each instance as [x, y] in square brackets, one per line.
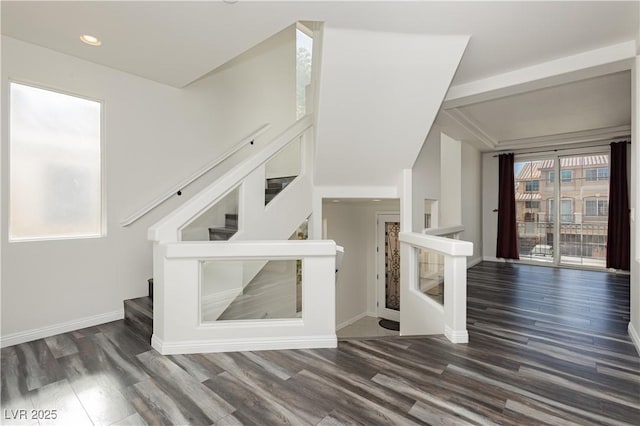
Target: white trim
[365, 192]
[492, 259]
[635, 337]
[442, 245]
[471, 126]
[457, 229]
[64, 327]
[593, 63]
[233, 345]
[261, 249]
[456, 336]
[354, 319]
[600, 136]
[473, 262]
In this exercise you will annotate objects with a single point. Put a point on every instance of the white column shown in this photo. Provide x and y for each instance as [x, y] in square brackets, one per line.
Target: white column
[634, 324]
[450, 182]
[455, 299]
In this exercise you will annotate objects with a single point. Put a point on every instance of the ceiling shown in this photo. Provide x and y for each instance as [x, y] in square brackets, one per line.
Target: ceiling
[577, 112]
[176, 43]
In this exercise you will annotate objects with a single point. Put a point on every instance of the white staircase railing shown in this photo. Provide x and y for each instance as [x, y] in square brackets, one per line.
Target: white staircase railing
[421, 314]
[250, 172]
[263, 231]
[178, 324]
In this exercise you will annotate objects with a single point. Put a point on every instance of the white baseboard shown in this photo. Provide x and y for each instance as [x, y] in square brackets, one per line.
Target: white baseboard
[474, 262]
[234, 345]
[354, 319]
[492, 259]
[65, 327]
[635, 337]
[456, 336]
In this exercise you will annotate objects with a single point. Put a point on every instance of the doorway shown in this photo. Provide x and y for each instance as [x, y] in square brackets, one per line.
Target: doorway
[388, 266]
[562, 205]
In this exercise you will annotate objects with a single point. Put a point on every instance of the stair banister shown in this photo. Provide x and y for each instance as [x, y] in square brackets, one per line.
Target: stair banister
[176, 189]
[452, 315]
[167, 229]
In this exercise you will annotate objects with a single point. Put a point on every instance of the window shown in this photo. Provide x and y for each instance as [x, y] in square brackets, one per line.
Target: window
[566, 176]
[596, 207]
[532, 186]
[532, 204]
[595, 174]
[566, 210]
[55, 165]
[552, 177]
[304, 48]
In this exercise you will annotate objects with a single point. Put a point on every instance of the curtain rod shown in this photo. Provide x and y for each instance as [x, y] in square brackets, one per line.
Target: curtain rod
[559, 149]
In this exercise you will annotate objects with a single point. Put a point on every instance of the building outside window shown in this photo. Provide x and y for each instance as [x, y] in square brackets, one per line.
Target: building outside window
[532, 186]
[583, 190]
[596, 207]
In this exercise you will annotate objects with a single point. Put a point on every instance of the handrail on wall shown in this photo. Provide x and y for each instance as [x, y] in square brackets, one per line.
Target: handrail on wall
[195, 176]
[167, 228]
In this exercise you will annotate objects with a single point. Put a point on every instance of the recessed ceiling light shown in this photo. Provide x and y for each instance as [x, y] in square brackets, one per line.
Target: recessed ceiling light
[90, 40]
[336, 201]
[375, 200]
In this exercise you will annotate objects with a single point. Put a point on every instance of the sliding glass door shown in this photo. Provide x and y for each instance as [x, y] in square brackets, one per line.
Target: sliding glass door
[562, 206]
[584, 186]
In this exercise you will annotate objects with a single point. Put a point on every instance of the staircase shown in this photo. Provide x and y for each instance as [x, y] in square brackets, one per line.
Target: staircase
[138, 316]
[138, 312]
[273, 186]
[230, 228]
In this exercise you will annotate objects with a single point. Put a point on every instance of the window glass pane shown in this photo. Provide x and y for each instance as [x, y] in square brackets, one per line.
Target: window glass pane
[304, 47]
[532, 186]
[55, 176]
[566, 176]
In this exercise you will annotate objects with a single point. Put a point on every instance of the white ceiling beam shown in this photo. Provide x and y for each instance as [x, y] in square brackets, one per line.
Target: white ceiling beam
[593, 63]
[581, 137]
[472, 128]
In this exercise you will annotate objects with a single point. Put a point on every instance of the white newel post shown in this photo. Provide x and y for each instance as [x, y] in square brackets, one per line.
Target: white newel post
[455, 299]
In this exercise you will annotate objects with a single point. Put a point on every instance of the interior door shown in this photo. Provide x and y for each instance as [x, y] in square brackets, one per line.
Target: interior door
[388, 267]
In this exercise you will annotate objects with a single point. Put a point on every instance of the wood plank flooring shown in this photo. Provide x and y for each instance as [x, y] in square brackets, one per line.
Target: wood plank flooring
[547, 346]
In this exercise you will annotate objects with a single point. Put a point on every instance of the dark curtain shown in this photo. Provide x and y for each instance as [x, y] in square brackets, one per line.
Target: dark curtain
[507, 245]
[618, 234]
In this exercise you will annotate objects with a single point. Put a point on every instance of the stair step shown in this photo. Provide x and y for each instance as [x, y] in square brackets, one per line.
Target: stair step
[231, 221]
[274, 186]
[221, 234]
[150, 281]
[138, 315]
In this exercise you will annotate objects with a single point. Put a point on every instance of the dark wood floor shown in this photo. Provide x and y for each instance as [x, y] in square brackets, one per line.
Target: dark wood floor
[547, 346]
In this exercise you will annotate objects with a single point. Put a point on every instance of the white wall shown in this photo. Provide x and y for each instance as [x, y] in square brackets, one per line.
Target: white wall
[155, 136]
[489, 203]
[353, 226]
[379, 95]
[450, 182]
[426, 177]
[634, 324]
[472, 199]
